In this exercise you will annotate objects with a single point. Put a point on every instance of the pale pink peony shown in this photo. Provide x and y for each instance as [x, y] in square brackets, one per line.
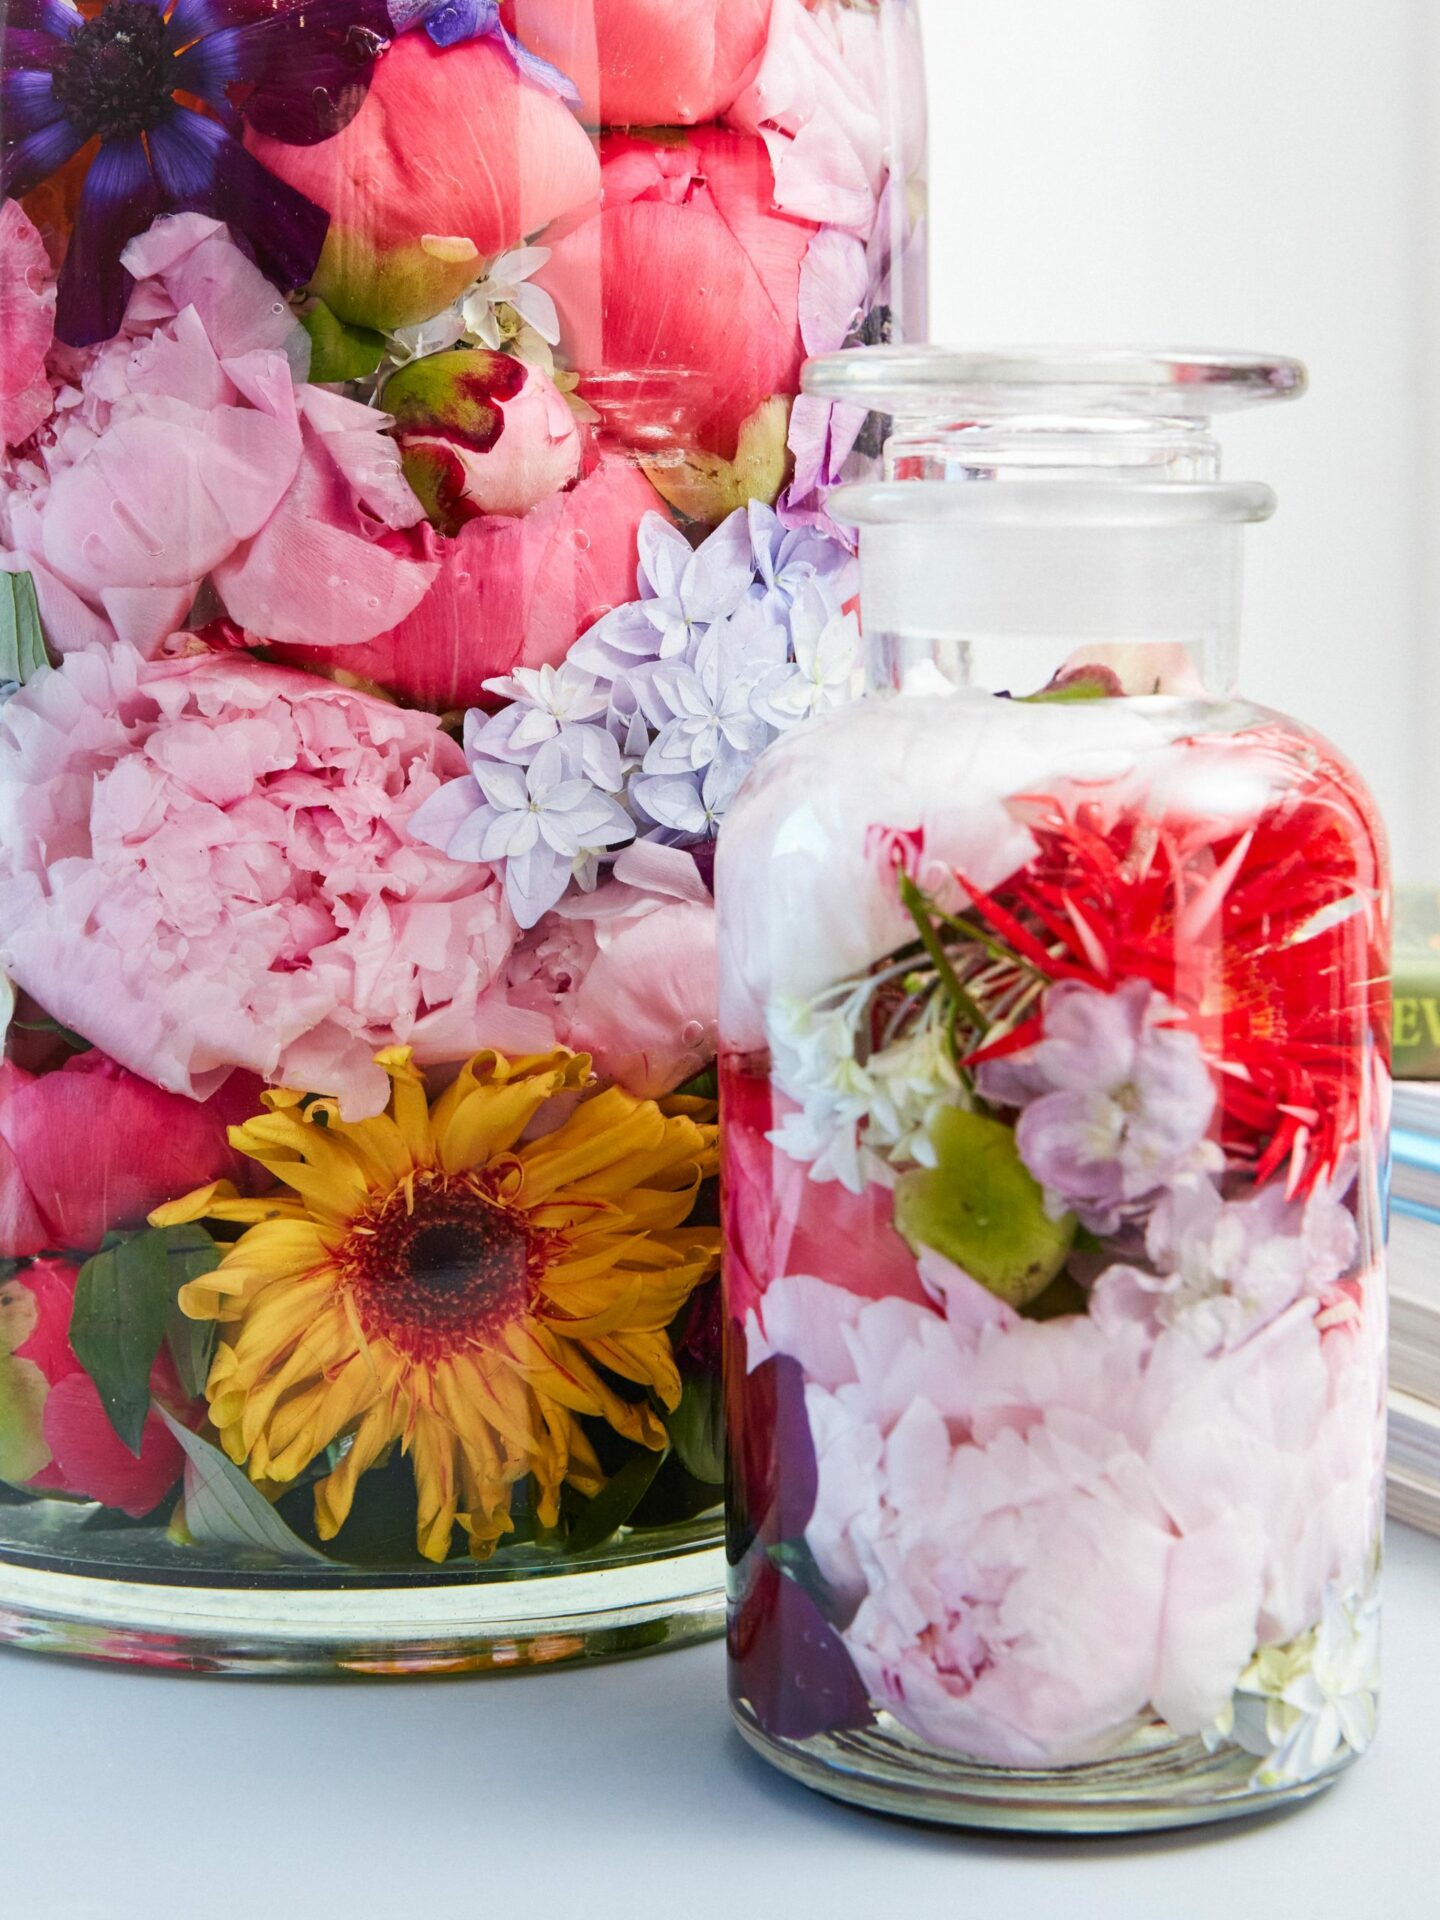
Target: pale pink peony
[647, 63]
[453, 158]
[679, 301]
[27, 326]
[510, 593]
[1046, 1531]
[205, 866]
[188, 451]
[627, 973]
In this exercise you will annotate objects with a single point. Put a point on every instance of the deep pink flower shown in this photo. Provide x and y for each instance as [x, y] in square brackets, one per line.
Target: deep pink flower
[205, 865]
[93, 1147]
[27, 326]
[681, 298]
[778, 1221]
[510, 593]
[647, 63]
[453, 158]
[56, 1435]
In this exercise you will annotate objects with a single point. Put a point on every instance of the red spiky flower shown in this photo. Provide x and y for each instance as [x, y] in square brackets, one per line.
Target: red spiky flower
[1269, 935]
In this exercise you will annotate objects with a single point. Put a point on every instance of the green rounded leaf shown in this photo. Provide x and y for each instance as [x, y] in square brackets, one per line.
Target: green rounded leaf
[23, 1392]
[982, 1208]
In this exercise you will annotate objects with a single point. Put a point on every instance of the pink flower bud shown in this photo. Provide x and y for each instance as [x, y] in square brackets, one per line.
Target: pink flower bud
[481, 433]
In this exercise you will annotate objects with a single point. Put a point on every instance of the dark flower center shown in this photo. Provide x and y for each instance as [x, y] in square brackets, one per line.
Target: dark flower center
[115, 79]
[441, 1268]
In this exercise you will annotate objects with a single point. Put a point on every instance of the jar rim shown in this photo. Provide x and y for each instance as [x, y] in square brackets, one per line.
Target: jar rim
[1121, 382]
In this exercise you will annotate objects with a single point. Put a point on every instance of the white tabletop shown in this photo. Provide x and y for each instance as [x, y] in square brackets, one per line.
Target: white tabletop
[620, 1791]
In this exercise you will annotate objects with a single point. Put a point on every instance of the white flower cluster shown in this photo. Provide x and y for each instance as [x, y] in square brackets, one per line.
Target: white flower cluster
[861, 1115]
[1298, 1708]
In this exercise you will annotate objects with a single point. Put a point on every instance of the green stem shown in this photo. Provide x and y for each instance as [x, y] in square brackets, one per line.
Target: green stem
[915, 905]
[990, 945]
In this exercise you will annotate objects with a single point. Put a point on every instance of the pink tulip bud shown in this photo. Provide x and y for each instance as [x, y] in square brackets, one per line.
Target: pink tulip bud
[453, 158]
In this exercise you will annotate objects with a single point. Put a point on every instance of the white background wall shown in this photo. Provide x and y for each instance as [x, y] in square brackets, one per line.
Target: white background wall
[1247, 173]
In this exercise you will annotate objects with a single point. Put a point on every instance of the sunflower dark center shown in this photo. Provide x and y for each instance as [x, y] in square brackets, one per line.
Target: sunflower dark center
[443, 1268]
[116, 78]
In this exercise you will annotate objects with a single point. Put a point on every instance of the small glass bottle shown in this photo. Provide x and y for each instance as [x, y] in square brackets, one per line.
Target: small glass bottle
[1054, 1031]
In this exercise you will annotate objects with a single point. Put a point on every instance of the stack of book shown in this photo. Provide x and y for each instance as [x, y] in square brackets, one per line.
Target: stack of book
[1415, 1305]
[1415, 1214]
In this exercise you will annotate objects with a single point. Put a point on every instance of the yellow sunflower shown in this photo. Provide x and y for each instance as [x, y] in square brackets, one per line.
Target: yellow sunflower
[434, 1277]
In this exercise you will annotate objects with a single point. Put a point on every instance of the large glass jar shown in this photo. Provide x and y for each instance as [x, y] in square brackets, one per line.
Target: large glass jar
[409, 534]
[1054, 1029]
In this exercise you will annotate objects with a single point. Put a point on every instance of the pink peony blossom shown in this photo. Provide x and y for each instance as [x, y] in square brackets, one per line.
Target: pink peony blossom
[55, 1435]
[188, 450]
[647, 63]
[510, 593]
[1048, 1531]
[205, 866]
[93, 1147]
[839, 100]
[627, 973]
[27, 326]
[680, 299]
[454, 157]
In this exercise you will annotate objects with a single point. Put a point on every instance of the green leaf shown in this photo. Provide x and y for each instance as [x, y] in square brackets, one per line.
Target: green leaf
[1080, 683]
[124, 1298]
[697, 1429]
[22, 643]
[223, 1509]
[704, 1086]
[982, 1208]
[338, 350]
[192, 1346]
[604, 1516]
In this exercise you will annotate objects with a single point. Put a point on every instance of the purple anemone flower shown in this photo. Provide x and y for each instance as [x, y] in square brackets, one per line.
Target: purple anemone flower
[297, 70]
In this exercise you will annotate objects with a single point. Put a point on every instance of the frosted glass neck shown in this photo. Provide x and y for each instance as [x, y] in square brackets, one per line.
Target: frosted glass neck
[1048, 513]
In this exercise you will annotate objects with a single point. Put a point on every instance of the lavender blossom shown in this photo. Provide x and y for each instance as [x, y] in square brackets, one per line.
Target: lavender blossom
[825, 671]
[548, 823]
[1224, 1269]
[1116, 1105]
[683, 591]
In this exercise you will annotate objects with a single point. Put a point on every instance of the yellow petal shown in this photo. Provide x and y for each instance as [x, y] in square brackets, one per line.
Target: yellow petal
[432, 1454]
[335, 1494]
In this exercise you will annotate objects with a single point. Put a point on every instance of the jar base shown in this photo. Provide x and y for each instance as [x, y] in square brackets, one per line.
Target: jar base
[617, 1610]
[1178, 1784]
